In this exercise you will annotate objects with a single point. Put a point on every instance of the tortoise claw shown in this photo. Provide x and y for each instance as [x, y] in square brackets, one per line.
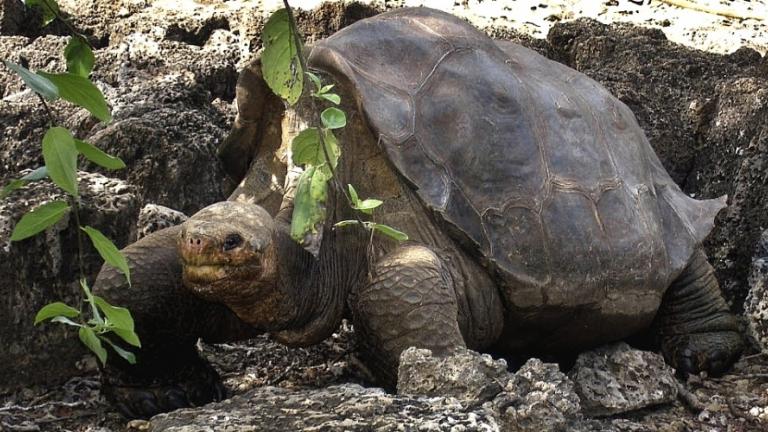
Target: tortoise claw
[711, 352]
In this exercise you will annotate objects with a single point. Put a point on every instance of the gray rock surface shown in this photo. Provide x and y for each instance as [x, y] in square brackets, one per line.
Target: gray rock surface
[756, 304]
[153, 217]
[617, 378]
[44, 268]
[346, 407]
[538, 397]
[467, 376]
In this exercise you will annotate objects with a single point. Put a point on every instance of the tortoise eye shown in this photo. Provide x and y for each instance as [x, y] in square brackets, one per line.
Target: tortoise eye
[232, 241]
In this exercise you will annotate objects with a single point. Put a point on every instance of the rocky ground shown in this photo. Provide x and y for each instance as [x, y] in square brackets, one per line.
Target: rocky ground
[168, 69]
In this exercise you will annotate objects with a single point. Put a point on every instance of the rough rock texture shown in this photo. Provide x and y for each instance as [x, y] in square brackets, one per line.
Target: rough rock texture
[465, 375]
[756, 305]
[617, 378]
[538, 397]
[346, 407]
[153, 217]
[44, 268]
[705, 115]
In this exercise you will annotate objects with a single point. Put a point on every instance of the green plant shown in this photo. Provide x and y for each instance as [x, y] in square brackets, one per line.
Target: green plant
[315, 148]
[60, 154]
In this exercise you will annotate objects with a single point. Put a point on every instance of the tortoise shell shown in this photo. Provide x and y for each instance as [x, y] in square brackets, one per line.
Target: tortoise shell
[533, 166]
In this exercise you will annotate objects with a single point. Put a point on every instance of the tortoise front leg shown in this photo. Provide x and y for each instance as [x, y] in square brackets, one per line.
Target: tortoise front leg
[169, 372]
[409, 300]
[697, 330]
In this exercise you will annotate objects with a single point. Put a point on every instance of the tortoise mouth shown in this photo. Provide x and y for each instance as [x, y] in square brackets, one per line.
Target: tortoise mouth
[198, 273]
[219, 282]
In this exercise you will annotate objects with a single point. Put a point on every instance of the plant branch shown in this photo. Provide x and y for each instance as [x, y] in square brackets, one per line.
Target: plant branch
[76, 211]
[315, 112]
[51, 120]
[69, 26]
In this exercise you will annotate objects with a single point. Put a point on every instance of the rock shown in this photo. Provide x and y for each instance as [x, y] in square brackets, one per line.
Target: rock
[13, 15]
[617, 378]
[734, 161]
[756, 304]
[468, 376]
[153, 217]
[538, 397]
[44, 268]
[168, 140]
[346, 407]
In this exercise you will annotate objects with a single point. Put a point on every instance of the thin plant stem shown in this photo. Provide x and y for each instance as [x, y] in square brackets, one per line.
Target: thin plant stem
[69, 26]
[317, 120]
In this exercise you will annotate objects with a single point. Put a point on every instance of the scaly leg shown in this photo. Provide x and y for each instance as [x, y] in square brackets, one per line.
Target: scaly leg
[408, 301]
[697, 331]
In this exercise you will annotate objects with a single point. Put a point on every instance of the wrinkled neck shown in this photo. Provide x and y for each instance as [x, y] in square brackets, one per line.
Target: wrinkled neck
[317, 287]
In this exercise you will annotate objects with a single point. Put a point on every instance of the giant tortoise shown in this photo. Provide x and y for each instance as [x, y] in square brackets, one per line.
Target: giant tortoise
[541, 222]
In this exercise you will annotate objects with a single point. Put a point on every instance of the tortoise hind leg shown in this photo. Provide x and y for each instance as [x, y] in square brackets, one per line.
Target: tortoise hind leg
[169, 372]
[697, 330]
[408, 301]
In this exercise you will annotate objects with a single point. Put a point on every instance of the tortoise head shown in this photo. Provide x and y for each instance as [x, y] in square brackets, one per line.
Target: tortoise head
[227, 253]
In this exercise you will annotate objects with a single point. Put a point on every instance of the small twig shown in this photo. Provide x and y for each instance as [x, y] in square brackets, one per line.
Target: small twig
[708, 9]
[19, 428]
[70, 417]
[753, 356]
[276, 380]
[689, 399]
[76, 211]
[51, 119]
[41, 406]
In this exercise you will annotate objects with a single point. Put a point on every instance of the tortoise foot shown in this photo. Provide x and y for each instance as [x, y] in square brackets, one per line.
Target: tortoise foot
[142, 395]
[712, 352]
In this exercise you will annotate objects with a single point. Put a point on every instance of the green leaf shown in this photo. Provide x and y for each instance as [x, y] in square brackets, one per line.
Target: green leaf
[280, 63]
[127, 355]
[309, 203]
[65, 320]
[11, 186]
[40, 84]
[97, 319]
[306, 148]
[353, 194]
[330, 97]
[119, 321]
[129, 336]
[108, 251]
[347, 222]
[333, 118]
[326, 88]
[315, 79]
[367, 206]
[89, 339]
[38, 173]
[39, 219]
[55, 309]
[47, 8]
[81, 91]
[60, 157]
[93, 154]
[79, 57]
[389, 231]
